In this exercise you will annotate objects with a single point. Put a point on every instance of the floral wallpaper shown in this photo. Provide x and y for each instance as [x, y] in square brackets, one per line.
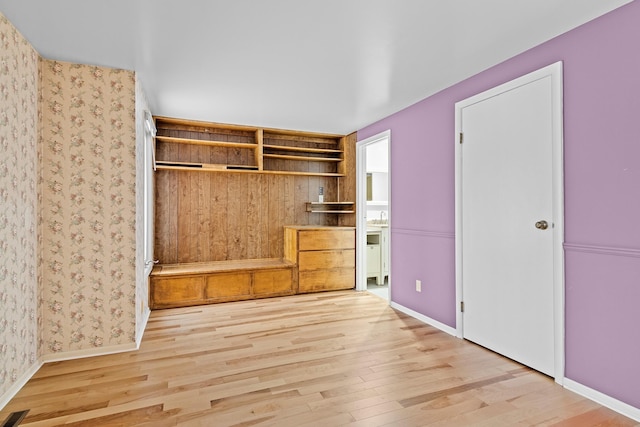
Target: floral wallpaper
[88, 212]
[18, 206]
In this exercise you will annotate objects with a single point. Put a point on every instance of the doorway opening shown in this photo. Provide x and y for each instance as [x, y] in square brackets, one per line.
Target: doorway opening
[373, 204]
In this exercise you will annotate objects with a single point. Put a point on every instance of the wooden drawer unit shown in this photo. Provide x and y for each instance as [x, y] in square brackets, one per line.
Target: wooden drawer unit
[325, 256]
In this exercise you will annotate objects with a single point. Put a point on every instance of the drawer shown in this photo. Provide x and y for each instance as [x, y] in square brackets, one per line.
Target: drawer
[313, 240]
[326, 280]
[315, 260]
[227, 285]
[178, 290]
[272, 282]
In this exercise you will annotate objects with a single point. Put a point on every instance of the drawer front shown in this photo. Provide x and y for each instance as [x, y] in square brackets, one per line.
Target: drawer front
[316, 260]
[313, 240]
[176, 291]
[272, 282]
[327, 280]
[225, 285]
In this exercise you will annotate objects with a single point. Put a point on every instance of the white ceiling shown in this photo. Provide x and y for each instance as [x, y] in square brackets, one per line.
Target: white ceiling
[324, 65]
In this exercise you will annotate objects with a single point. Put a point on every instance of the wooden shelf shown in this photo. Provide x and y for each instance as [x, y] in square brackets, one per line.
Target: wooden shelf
[301, 158]
[174, 140]
[164, 165]
[205, 167]
[302, 149]
[331, 207]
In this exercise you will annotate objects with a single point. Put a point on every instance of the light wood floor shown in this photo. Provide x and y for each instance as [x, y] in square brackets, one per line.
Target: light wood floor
[329, 359]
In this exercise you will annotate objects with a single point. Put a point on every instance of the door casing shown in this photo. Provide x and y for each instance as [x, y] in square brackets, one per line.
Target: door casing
[555, 72]
[361, 207]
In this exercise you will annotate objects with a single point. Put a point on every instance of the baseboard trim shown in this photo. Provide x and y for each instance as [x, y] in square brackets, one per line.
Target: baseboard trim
[603, 399]
[17, 386]
[71, 355]
[142, 328]
[425, 319]
[89, 352]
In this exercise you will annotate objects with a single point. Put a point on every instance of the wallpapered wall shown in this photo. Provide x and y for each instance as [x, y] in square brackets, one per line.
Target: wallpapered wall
[88, 206]
[67, 209]
[18, 205]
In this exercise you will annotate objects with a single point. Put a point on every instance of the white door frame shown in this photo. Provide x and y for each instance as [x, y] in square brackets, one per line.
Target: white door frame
[555, 72]
[361, 207]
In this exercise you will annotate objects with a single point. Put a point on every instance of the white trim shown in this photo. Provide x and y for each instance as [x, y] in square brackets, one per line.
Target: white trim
[555, 72]
[88, 352]
[603, 399]
[361, 207]
[424, 319]
[142, 327]
[11, 392]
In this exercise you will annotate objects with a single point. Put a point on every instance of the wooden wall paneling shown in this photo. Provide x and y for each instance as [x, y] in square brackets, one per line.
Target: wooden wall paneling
[288, 216]
[237, 216]
[219, 206]
[264, 213]
[302, 189]
[276, 195]
[184, 217]
[204, 208]
[165, 230]
[255, 216]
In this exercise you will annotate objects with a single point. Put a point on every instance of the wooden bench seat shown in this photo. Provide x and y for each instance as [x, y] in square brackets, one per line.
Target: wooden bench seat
[179, 285]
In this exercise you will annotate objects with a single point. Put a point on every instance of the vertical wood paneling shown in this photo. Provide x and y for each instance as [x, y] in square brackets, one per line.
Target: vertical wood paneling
[204, 217]
[217, 216]
[275, 194]
[184, 218]
[219, 202]
[254, 216]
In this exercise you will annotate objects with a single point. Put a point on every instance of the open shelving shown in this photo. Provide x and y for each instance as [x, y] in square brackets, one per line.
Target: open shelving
[214, 147]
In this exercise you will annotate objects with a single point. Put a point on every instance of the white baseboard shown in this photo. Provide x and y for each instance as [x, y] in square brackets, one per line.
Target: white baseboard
[15, 388]
[143, 326]
[89, 352]
[70, 355]
[429, 321]
[603, 399]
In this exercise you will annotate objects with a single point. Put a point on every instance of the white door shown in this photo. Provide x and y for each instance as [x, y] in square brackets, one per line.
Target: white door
[507, 218]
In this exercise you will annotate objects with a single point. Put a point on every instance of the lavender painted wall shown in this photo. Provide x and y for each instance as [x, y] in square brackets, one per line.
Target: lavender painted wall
[602, 197]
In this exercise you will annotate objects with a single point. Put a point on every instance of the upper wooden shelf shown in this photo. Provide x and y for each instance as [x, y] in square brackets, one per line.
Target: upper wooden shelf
[189, 141]
[233, 148]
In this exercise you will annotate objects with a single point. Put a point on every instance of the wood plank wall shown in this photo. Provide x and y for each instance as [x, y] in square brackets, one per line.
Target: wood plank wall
[215, 216]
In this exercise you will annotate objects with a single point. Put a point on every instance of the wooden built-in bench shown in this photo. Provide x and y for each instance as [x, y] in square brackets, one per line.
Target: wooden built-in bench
[179, 285]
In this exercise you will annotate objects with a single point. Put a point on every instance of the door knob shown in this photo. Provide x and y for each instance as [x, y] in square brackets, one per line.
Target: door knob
[542, 225]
